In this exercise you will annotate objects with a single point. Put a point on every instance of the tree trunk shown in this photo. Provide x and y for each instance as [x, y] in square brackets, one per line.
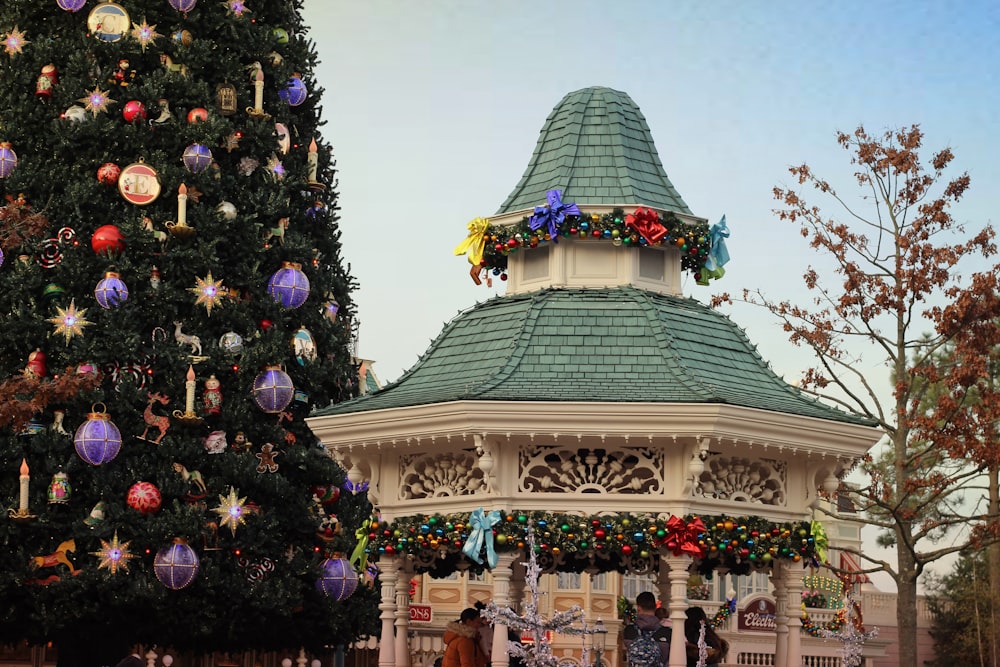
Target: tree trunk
[993, 555]
[906, 603]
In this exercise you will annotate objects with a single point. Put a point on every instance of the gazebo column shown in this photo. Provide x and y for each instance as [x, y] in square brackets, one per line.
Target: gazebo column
[793, 584]
[678, 576]
[779, 573]
[502, 574]
[403, 574]
[388, 576]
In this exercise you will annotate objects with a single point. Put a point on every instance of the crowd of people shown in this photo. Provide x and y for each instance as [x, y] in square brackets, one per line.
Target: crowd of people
[469, 640]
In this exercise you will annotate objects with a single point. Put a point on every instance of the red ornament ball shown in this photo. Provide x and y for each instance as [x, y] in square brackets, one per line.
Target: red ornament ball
[197, 115]
[144, 498]
[134, 110]
[107, 240]
[108, 173]
[266, 324]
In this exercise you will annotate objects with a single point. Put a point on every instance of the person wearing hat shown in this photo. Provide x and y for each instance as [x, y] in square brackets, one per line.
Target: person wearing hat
[461, 643]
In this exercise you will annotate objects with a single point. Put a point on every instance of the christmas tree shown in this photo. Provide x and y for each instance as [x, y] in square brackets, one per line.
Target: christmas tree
[172, 304]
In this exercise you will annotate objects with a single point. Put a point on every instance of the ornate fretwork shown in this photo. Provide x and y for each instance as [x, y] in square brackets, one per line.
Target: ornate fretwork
[738, 479]
[618, 470]
[435, 475]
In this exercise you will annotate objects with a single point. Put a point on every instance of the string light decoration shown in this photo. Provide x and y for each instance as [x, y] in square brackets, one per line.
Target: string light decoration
[852, 635]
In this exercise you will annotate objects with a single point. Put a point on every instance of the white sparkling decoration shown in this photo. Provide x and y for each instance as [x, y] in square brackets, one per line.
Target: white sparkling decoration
[539, 652]
[852, 635]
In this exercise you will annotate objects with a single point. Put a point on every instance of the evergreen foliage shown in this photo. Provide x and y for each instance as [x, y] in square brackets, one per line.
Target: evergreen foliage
[963, 613]
[94, 615]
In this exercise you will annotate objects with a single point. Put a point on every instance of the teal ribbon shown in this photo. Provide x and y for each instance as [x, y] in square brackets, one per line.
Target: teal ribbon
[718, 254]
[482, 532]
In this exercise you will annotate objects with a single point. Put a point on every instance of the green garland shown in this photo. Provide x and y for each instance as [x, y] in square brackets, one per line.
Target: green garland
[692, 240]
[739, 543]
[815, 630]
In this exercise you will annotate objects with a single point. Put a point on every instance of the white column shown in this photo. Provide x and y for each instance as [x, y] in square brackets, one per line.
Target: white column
[678, 576]
[388, 576]
[403, 616]
[501, 597]
[793, 582]
[778, 580]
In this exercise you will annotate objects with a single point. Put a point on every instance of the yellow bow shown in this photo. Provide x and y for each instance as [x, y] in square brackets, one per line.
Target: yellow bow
[475, 242]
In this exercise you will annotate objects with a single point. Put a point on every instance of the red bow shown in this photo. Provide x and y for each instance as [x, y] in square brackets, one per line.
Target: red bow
[646, 221]
[685, 536]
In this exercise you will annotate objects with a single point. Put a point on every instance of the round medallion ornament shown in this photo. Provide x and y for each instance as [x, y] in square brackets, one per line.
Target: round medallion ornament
[295, 92]
[273, 390]
[338, 579]
[71, 5]
[197, 158]
[288, 285]
[144, 498]
[8, 159]
[111, 292]
[231, 342]
[98, 440]
[108, 21]
[303, 346]
[176, 566]
[139, 184]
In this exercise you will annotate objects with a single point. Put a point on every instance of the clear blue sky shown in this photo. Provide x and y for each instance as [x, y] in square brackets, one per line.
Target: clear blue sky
[433, 109]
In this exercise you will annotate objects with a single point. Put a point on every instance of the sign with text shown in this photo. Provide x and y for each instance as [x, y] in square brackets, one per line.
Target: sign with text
[420, 613]
[757, 616]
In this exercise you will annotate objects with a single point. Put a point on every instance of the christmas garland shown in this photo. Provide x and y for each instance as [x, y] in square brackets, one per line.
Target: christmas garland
[815, 630]
[723, 540]
[488, 246]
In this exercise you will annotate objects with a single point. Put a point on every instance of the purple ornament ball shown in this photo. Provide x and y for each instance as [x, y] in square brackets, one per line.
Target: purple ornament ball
[197, 158]
[8, 159]
[289, 286]
[98, 440]
[183, 5]
[111, 292]
[176, 566]
[71, 5]
[338, 579]
[295, 92]
[273, 390]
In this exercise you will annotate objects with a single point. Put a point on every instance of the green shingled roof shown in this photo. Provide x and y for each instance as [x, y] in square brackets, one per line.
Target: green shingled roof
[611, 344]
[595, 146]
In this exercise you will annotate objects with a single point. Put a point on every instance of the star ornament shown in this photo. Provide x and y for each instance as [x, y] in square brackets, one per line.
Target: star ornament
[14, 42]
[114, 555]
[232, 511]
[144, 33]
[70, 321]
[236, 7]
[96, 101]
[209, 291]
[275, 168]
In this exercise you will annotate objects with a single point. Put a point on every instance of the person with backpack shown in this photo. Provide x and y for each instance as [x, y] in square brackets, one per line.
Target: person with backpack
[647, 642]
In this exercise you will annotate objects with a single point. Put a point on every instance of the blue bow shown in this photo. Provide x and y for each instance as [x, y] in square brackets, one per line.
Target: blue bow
[718, 255]
[552, 215]
[482, 531]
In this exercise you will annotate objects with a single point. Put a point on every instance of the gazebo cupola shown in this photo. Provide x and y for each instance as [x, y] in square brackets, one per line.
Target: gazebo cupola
[596, 150]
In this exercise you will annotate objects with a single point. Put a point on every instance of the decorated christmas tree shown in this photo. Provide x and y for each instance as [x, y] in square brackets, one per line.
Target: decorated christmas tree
[172, 304]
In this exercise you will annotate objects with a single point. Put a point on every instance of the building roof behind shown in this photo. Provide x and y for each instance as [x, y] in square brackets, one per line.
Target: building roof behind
[618, 344]
[595, 146]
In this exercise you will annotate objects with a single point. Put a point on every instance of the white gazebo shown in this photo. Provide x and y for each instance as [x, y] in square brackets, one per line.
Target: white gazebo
[596, 398]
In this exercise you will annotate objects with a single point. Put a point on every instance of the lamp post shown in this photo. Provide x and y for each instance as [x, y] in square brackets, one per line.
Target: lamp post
[600, 639]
